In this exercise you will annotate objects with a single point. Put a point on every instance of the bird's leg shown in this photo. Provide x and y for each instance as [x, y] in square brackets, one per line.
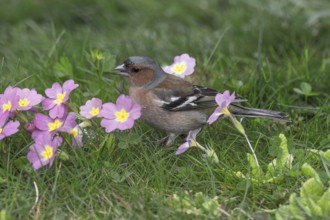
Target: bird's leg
[168, 140]
[161, 141]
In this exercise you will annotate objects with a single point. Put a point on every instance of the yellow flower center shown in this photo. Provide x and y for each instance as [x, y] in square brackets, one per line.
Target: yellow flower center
[55, 125]
[74, 132]
[94, 111]
[47, 153]
[1, 130]
[60, 97]
[122, 115]
[6, 106]
[23, 102]
[179, 68]
[193, 143]
[225, 111]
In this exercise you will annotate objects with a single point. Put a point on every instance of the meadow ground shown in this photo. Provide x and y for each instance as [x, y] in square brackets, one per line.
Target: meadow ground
[274, 53]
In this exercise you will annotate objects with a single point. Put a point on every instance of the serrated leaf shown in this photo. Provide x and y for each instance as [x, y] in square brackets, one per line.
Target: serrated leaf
[199, 197]
[324, 202]
[271, 169]
[295, 211]
[282, 213]
[305, 211]
[283, 159]
[314, 208]
[283, 156]
[309, 171]
[63, 67]
[311, 189]
[313, 202]
[212, 206]
[257, 172]
[274, 149]
[326, 155]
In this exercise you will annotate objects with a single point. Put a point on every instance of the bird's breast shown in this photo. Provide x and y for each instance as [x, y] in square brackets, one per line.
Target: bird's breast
[141, 96]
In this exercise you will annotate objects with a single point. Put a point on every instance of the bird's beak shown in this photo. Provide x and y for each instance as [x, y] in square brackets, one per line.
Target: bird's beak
[122, 70]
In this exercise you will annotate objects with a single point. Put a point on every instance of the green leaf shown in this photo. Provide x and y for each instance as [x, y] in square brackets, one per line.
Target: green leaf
[2, 180]
[306, 88]
[119, 178]
[282, 213]
[199, 197]
[210, 153]
[115, 176]
[325, 143]
[195, 205]
[312, 94]
[271, 169]
[313, 202]
[108, 62]
[274, 149]
[313, 208]
[326, 155]
[283, 156]
[63, 67]
[123, 145]
[309, 171]
[62, 155]
[257, 172]
[324, 202]
[311, 189]
[22, 163]
[298, 91]
[212, 206]
[3, 215]
[295, 211]
[283, 159]
[110, 140]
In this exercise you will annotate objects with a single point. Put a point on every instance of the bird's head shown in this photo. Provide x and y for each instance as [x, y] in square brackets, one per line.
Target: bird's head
[142, 71]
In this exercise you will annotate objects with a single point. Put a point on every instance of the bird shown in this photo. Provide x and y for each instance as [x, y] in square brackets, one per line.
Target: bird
[171, 104]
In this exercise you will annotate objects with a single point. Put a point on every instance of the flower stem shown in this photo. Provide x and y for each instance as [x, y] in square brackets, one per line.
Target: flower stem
[253, 153]
[200, 147]
[241, 129]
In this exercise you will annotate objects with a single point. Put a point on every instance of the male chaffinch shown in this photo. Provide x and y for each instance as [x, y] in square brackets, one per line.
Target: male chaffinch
[174, 105]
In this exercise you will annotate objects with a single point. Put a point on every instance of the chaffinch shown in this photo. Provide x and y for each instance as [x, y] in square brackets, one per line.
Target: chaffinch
[174, 105]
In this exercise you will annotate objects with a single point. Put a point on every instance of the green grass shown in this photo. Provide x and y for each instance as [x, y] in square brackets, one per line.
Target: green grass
[261, 51]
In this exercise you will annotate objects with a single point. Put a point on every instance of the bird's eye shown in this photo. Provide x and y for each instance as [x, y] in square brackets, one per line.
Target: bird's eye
[135, 70]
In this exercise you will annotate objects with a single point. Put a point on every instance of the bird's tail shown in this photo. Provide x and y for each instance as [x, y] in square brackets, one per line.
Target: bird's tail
[241, 111]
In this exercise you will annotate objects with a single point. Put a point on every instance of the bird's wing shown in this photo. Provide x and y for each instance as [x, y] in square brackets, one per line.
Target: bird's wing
[185, 98]
[175, 94]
